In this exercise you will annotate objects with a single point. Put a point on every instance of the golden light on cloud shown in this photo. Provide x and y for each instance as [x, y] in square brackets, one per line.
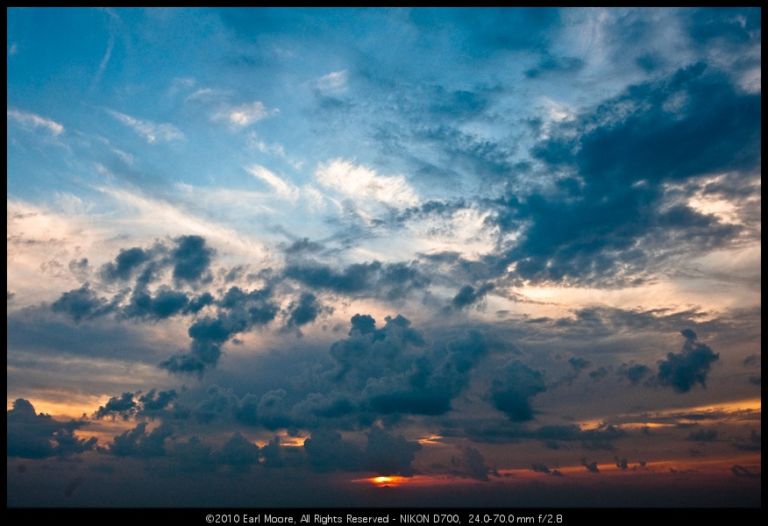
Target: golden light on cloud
[431, 440]
[384, 481]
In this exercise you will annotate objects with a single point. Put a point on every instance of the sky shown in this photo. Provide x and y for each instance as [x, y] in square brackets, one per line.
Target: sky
[394, 256]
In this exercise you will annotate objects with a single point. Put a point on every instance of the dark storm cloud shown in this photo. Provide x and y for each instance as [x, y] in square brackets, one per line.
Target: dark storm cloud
[741, 471]
[468, 295]
[605, 220]
[124, 406]
[238, 312]
[304, 311]
[394, 280]
[591, 466]
[634, 372]
[389, 371]
[165, 303]
[156, 402]
[127, 262]
[578, 363]
[239, 452]
[137, 442]
[750, 443]
[153, 404]
[598, 374]
[191, 258]
[512, 388]
[703, 435]
[390, 454]
[82, 304]
[684, 370]
[32, 435]
[303, 246]
[474, 463]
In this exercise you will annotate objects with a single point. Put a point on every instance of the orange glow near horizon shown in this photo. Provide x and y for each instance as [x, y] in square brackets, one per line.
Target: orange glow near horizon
[384, 482]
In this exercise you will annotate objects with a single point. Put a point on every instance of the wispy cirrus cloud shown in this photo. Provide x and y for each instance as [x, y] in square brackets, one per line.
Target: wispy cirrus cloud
[152, 132]
[281, 187]
[243, 115]
[33, 121]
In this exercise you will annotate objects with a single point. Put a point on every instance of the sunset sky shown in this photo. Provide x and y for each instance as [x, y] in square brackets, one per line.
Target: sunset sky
[377, 257]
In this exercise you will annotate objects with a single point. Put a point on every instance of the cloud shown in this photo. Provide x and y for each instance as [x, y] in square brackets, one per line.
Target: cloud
[634, 372]
[304, 311]
[32, 120]
[281, 187]
[389, 454]
[137, 442]
[598, 374]
[239, 452]
[578, 363]
[333, 82]
[191, 258]
[684, 370]
[512, 388]
[591, 466]
[550, 65]
[152, 132]
[703, 435]
[132, 405]
[124, 406]
[543, 468]
[82, 303]
[127, 262]
[394, 280]
[468, 295]
[607, 216]
[238, 311]
[244, 115]
[362, 183]
[741, 471]
[474, 463]
[32, 435]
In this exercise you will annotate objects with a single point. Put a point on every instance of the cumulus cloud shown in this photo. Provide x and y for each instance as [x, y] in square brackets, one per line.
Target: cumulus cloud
[513, 387]
[82, 303]
[635, 372]
[239, 452]
[684, 370]
[137, 442]
[468, 295]
[33, 435]
[304, 311]
[474, 463]
[394, 280]
[238, 311]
